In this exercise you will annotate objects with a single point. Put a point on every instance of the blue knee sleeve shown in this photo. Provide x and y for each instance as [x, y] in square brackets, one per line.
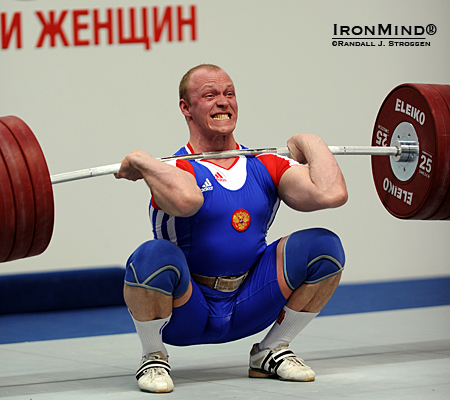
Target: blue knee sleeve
[158, 265]
[312, 255]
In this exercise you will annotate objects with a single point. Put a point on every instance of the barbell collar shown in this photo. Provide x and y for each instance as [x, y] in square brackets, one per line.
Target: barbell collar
[408, 151]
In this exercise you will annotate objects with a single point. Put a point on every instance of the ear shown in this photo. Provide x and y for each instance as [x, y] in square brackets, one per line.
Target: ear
[184, 107]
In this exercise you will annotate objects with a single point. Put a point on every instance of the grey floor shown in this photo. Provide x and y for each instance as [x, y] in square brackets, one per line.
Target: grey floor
[403, 354]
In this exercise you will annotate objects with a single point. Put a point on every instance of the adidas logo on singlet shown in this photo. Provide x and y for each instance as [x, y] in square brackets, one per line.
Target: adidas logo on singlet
[207, 186]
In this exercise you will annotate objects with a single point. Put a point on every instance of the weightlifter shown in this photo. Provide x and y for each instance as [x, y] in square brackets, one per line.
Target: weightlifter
[209, 276]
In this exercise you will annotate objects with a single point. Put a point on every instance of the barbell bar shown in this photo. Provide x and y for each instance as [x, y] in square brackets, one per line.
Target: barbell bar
[402, 149]
[412, 131]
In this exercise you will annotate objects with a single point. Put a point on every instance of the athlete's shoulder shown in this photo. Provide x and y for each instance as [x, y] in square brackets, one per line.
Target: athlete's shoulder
[276, 165]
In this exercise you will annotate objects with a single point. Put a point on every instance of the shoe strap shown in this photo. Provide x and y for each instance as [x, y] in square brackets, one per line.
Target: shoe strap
[273, 360]
[152, 364]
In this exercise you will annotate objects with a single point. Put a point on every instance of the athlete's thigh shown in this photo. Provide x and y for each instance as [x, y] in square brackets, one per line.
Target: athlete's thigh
[260, 299]
[188, 323]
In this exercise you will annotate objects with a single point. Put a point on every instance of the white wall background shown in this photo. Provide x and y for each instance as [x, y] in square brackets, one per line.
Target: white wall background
[91, 105]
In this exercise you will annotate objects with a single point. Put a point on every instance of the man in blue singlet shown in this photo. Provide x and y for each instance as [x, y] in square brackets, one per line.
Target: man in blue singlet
[209, 276]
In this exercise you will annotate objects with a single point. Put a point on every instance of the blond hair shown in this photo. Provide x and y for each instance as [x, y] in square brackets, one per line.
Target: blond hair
[184, 83]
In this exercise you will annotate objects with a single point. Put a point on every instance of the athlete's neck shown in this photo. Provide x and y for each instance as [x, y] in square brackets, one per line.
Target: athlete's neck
[201, 144]
[223, 162]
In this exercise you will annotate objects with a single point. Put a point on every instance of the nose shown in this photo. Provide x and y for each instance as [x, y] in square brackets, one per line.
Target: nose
[222, 101]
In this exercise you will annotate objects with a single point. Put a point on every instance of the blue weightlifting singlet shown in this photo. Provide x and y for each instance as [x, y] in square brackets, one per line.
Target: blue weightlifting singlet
[228, 234]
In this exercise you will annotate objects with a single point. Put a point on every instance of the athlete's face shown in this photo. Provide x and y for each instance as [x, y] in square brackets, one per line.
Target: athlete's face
[213, 107]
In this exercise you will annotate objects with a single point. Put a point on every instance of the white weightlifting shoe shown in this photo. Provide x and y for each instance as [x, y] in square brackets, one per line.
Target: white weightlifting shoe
[154, 374]
[279, 363]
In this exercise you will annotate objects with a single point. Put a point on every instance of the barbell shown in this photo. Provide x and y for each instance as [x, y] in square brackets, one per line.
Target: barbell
[412, 131]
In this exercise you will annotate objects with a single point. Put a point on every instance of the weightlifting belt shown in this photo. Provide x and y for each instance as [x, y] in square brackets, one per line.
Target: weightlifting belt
[221, 283]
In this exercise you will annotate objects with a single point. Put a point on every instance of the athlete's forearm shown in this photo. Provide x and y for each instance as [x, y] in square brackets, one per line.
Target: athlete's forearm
[174, 190]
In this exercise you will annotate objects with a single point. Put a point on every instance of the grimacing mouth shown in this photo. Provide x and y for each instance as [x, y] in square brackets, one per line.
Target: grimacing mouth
[221, 116]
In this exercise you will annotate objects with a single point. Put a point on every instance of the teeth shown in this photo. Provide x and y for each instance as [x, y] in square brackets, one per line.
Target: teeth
[221, 116]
